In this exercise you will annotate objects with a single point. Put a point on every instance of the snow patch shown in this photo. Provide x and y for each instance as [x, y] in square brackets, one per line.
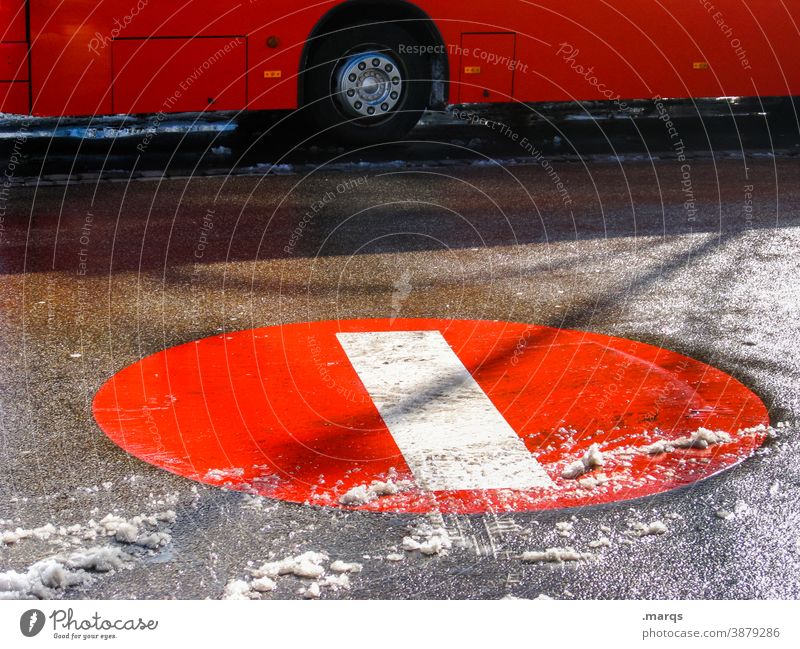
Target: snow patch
[701, 438]
[49, 578]
[656, 528]
[142, 530]
[308, 566]
[223, 475]
[154, 540]
[249, 501]
[342, 566]
[602, 542]
[592, 482]
[336, 582]
[43, 533]
[555, 555]
[363, 494]
[263, 585]
[741, 508]
[428, 539]
[564, 528]
[236, 589]
[592, 459]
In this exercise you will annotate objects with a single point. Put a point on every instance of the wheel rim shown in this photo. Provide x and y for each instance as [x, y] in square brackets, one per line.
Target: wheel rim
[369, 84]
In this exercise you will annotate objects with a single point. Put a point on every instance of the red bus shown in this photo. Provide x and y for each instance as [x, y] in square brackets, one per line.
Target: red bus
[367, 69]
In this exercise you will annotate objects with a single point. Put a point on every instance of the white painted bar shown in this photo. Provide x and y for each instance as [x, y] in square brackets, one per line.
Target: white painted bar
[451, 435]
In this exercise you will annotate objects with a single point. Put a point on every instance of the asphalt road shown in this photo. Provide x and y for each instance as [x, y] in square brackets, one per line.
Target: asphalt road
[95, 275]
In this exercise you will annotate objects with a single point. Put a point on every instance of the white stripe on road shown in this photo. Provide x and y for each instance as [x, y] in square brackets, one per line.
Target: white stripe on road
[451, 435]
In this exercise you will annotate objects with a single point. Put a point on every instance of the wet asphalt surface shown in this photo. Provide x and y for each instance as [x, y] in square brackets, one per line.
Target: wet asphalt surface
[483, 233]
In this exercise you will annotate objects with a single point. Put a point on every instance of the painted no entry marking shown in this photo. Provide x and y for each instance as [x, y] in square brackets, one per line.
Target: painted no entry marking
[449, 432]
[468, 416]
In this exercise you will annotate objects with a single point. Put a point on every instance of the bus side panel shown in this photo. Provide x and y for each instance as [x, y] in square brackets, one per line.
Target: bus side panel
[14, 98]
[67, 77]
[272, 80]
[751, 46]
[587, 51]
[675, 48]
[480, 79]
[72, 43]
[12, 21]
[179, 74]
[14, 87]
[13, 61]
[612, 49]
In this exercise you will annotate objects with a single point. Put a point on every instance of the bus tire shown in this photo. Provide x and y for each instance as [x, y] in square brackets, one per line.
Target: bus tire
[359, 88]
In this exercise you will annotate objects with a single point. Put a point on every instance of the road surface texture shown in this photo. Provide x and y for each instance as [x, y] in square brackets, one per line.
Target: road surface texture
[605, 228]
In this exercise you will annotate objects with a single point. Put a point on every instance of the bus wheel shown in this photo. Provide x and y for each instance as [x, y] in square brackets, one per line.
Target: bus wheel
[360, 89]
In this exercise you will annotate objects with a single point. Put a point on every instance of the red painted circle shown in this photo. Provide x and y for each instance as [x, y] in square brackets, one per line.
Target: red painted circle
[281, 412]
